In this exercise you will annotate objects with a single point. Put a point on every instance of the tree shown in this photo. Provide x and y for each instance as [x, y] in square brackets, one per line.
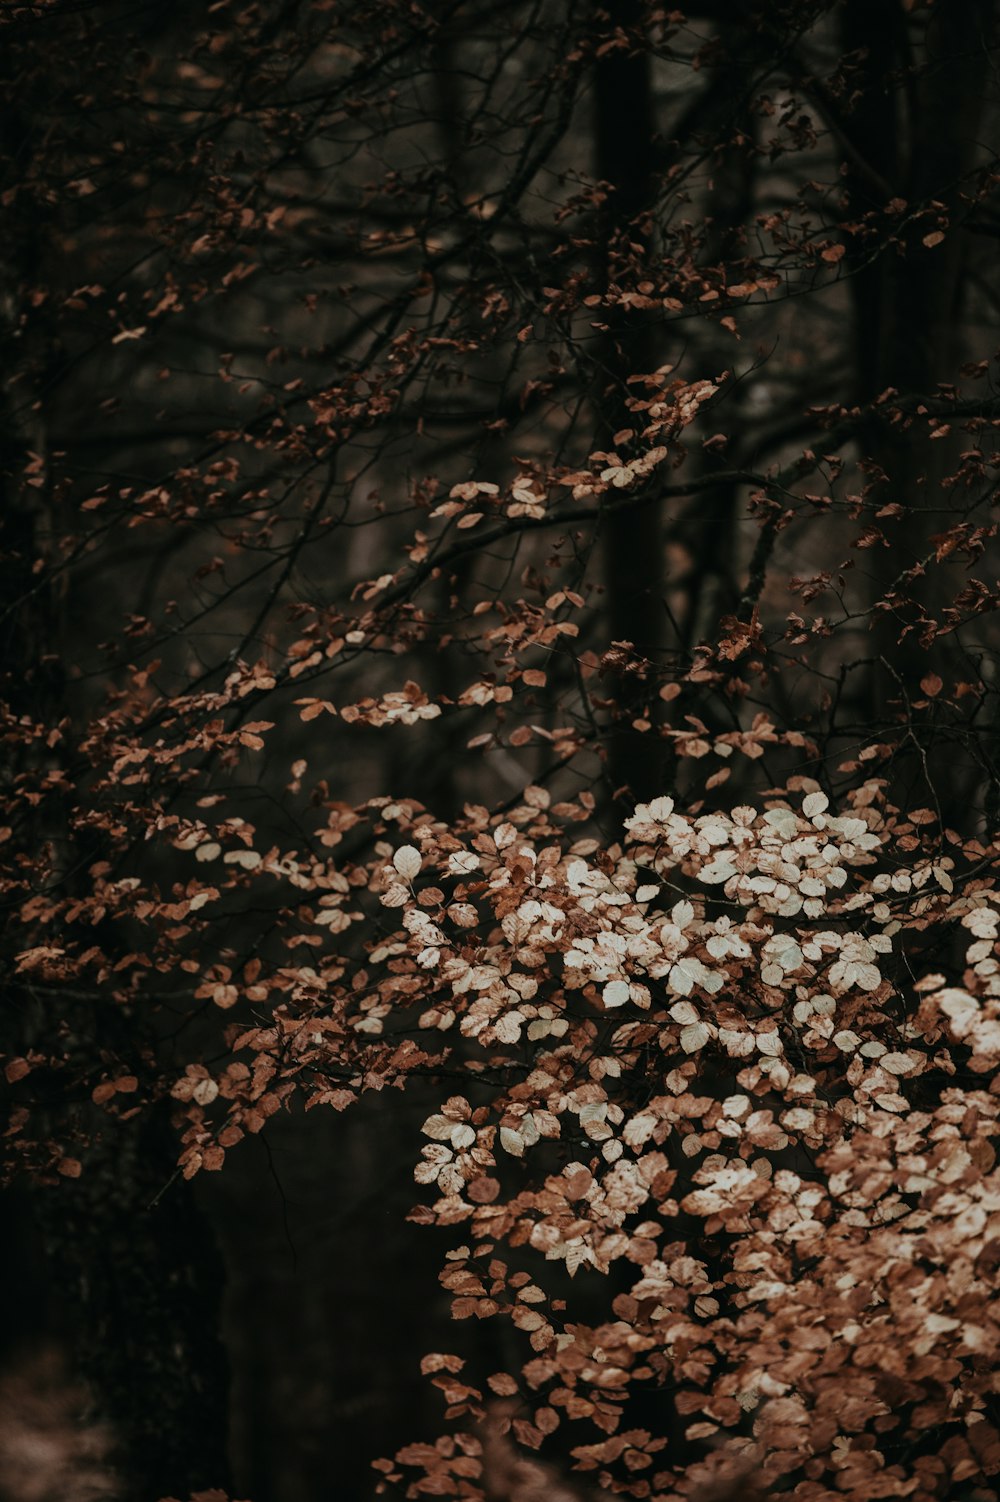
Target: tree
[500, 589]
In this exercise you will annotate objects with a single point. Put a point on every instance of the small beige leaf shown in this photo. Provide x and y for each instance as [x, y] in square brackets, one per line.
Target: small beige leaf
[407, 862]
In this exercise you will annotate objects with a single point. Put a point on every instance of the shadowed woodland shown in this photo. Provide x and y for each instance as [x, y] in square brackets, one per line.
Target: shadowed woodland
[500, 815]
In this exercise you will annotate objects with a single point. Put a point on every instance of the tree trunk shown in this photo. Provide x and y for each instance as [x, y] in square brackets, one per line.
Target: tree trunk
[914, 135]
[632, 540]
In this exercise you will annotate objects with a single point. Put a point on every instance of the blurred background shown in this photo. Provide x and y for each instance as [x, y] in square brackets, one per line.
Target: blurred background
[278, 277]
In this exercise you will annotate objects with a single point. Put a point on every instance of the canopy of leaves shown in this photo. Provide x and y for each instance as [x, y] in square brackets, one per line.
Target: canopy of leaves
[500, 587]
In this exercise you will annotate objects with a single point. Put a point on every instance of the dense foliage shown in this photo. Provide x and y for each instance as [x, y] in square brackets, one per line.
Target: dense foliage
[500, 587]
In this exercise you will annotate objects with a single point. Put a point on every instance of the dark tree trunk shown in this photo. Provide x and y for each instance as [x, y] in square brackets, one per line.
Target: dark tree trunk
[913, 133]
[632, 540]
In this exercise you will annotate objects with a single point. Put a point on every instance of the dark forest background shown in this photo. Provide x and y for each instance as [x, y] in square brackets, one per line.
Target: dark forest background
[276, 277]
